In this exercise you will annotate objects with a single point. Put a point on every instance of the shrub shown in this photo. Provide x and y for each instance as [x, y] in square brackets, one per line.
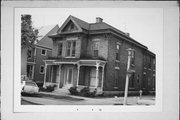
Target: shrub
[39, 84]
[49, 88]
[42, 89]
[73, 91]
[86, 92]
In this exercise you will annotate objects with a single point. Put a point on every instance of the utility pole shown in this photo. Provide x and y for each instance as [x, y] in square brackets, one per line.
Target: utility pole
[128, 74]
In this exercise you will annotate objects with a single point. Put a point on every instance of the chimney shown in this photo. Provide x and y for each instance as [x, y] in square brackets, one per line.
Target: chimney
[127, 34]
[99, 20]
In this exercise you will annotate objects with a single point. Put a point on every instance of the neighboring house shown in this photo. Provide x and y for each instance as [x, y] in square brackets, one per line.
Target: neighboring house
[95, 55]
[24, 56]
[35, 55]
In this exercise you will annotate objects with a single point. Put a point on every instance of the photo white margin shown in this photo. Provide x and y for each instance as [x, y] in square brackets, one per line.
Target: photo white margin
[73, 108]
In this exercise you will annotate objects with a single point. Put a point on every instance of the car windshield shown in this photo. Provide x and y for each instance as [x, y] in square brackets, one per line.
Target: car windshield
[30, 84]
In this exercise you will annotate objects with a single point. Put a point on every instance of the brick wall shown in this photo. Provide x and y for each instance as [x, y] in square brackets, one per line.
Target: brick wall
[149, 80]
[111, 84]
[103, 46]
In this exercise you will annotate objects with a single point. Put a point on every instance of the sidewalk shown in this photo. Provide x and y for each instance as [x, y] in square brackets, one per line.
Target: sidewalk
[79, 100]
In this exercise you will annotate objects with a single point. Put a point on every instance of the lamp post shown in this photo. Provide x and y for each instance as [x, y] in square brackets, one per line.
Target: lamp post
[128, 74]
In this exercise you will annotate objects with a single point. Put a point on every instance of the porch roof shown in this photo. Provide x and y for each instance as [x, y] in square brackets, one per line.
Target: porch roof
[81, 62]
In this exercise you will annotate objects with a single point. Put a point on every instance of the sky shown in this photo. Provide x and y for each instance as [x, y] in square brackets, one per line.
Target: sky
[145, 25]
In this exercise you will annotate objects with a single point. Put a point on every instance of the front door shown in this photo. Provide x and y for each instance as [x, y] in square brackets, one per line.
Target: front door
[69, 77]
[93, 77]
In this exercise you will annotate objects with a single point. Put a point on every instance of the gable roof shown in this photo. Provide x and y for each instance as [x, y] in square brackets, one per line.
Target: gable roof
[80, 22]
[95, 27]
[43, 30]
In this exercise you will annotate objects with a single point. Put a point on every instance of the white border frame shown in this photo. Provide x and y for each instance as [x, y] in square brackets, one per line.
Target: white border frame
[169, 105]
[87, 108]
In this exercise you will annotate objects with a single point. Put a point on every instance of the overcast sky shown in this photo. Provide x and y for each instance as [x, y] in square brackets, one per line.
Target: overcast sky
[145, 25]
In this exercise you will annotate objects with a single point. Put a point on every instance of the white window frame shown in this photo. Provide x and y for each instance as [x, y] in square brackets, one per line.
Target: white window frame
[118, 46]
[96, 48]
[40, 69]
[45, 52]
[71, 48]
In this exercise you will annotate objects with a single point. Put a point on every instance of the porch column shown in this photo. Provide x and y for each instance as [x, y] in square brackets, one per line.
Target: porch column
[59, 75]
[52, 70]
[102, 78]
[97, 73]
[78, 67]
[45, 70]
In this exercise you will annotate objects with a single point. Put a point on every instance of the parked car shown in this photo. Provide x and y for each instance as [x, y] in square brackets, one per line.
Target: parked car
[29, 87]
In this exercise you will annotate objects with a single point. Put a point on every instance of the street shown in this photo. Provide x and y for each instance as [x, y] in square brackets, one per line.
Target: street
[77, 100]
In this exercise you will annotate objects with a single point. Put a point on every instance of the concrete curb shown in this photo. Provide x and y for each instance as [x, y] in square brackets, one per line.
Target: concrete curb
[31, 102]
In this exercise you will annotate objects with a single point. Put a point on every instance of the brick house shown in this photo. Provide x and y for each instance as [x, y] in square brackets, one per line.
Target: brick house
[95, 55]
[39, 52]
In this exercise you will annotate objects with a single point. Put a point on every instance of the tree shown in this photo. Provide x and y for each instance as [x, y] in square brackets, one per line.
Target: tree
[28, 33]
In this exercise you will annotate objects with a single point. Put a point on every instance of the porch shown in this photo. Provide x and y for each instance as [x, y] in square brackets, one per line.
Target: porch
[80, 74]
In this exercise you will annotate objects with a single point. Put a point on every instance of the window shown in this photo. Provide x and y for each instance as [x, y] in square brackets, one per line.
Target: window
[154, 81]
[43, 52]
[133, 58]
[29, 53]
[41, 70]
[117, 47]
[60, 46]
[144, 58]
[117, 56]
[95, 49]
[117, 78]
[71, 49]
[117, 51]
[131, 81]
[150, 63]
[154, 64]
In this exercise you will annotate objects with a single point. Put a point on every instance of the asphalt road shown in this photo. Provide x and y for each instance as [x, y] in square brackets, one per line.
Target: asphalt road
[72, 100]
[41, 100]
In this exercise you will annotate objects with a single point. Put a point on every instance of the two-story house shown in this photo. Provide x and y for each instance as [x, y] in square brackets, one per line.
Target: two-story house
[93, 55]
[40, 51]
